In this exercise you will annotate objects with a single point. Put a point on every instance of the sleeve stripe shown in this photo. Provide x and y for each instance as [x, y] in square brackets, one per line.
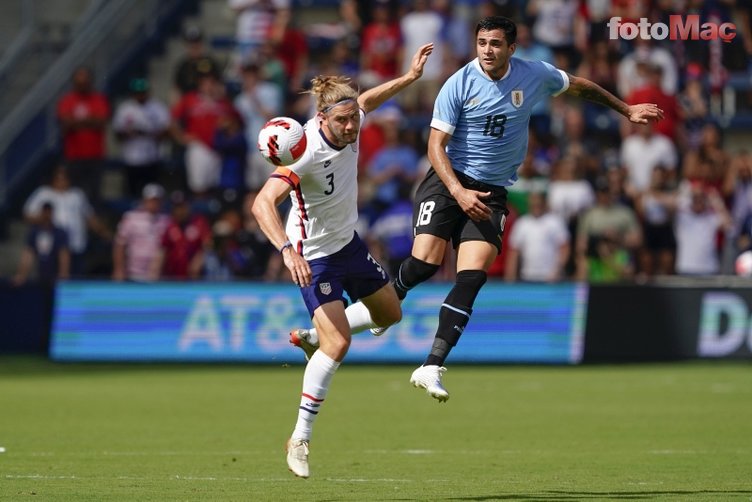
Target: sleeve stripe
[565, 77]
[287, 176]
[442, 126]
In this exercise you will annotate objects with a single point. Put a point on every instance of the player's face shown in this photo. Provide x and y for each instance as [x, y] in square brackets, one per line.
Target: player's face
[342, 123]
[494, 52]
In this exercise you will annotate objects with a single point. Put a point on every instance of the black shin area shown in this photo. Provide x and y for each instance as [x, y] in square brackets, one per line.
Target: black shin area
[412, 272]
[455, 313]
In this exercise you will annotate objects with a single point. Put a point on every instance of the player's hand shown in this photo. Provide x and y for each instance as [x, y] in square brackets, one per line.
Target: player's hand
[644, 113]
[472, 203]
[419, 60]
[298, 267]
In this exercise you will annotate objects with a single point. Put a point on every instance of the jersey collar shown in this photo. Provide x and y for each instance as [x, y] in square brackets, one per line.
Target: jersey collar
[476, 65]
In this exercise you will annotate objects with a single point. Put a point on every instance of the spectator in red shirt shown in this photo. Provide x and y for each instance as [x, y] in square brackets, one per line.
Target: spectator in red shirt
[380, 45]
[83, 114]
[652, 92]
[184, 241]
[195, 118]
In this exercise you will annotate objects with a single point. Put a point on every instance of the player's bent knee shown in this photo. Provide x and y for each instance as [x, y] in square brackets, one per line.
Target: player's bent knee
[386, 317]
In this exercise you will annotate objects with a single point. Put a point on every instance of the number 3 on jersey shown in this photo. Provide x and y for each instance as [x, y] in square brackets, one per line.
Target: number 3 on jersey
[425, 212]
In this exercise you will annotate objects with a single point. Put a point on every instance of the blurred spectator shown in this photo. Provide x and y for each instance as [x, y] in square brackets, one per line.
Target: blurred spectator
[606, 260]
[195, 118]
[694, 107]
[196, 62]
[419, 26]
[260, 259]
[71, 212]
[605, 234]
[737, 189]
[231, 144]
[218, 263]
[47, 245]
[698, 221]
[258, 21]
[641, 152]
[135, 255]
[140, 124]
[554, 24]
[538, 247]
[631, 76]
[183, 241]
[395, 164]
[708, 163]
[83, 114]
[460, 39]
[380, 45]
[651, 92]
[394, 229]
[655, 207]
[292, 50]
[569, 194]
[598, 66]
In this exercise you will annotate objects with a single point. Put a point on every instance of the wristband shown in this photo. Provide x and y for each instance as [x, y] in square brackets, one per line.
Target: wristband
[286, 245]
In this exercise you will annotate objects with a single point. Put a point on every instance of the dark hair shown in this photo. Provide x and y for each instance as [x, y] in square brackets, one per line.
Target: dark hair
[498, 23]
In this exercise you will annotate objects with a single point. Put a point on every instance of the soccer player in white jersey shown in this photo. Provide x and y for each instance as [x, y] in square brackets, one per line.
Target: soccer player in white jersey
[319, 245]
[478, 139]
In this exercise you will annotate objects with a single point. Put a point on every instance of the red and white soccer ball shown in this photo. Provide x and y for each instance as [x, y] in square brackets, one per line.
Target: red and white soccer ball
[744, 264]
[282, 141]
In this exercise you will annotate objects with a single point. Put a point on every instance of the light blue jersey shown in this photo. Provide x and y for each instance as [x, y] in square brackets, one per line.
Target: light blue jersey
[488, 119]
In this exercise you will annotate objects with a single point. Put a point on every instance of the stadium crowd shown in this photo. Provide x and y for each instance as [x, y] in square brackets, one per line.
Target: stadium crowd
[598, 199]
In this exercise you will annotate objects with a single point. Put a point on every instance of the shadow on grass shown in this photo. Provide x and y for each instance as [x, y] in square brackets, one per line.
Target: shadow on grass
[561, 495]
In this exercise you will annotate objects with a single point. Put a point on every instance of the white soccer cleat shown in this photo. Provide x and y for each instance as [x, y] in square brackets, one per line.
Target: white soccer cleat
[301, 338]
[297, 457]
[377, 331]
[429, 378]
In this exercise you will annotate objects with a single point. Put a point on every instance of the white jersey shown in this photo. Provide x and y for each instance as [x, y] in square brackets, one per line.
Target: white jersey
[324, 197]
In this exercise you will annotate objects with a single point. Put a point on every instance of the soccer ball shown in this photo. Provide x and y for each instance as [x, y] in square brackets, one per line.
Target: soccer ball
[744, 264]
[282, 141]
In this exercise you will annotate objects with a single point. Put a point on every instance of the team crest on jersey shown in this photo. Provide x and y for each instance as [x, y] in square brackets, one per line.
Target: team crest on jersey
[517, 98]
[326, 288]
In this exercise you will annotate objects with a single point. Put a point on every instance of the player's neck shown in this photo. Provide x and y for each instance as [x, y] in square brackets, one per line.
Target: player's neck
[498, 74]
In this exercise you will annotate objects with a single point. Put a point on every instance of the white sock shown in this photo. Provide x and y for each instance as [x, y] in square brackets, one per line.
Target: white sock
[316, 379]
[358, 317]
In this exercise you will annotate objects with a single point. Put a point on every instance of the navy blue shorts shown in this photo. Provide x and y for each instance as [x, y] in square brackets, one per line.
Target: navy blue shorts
[352, 269]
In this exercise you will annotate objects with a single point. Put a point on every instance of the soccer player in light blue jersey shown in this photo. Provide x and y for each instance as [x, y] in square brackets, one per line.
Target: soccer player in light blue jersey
[478, 139]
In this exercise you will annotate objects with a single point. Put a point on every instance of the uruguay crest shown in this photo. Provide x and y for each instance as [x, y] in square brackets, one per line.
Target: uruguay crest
[517, 98]
[325, 287]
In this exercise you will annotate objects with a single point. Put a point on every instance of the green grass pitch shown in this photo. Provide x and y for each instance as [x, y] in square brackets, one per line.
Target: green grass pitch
[200, 432]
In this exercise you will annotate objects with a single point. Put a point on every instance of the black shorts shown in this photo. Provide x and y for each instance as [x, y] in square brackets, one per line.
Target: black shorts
[436, 212]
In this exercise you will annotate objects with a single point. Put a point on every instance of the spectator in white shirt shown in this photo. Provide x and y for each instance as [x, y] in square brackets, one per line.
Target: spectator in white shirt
[72, 212]
[641, 152]
[698, 221]
[141, 123]
[539, 244]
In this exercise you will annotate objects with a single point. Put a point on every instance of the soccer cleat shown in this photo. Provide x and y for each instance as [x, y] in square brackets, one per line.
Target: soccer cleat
[377, 331]
[300, 338]
[297, 457]
[429, 378]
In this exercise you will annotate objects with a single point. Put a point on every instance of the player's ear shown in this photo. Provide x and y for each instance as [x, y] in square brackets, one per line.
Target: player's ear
[512, 48]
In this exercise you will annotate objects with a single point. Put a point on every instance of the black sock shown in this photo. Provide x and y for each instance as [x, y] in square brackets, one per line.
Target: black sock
[455, 314]
[452, 322]
[412, 272]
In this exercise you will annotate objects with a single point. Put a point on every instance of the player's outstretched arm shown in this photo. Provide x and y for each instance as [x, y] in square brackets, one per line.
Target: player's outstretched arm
[373, 98]
[639, 114]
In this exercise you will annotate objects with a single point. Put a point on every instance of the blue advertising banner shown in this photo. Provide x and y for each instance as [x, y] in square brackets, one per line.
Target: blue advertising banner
[107, 321]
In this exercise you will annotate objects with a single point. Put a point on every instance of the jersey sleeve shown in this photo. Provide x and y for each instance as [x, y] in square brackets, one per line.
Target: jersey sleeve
[554, 79]
[448, 106]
